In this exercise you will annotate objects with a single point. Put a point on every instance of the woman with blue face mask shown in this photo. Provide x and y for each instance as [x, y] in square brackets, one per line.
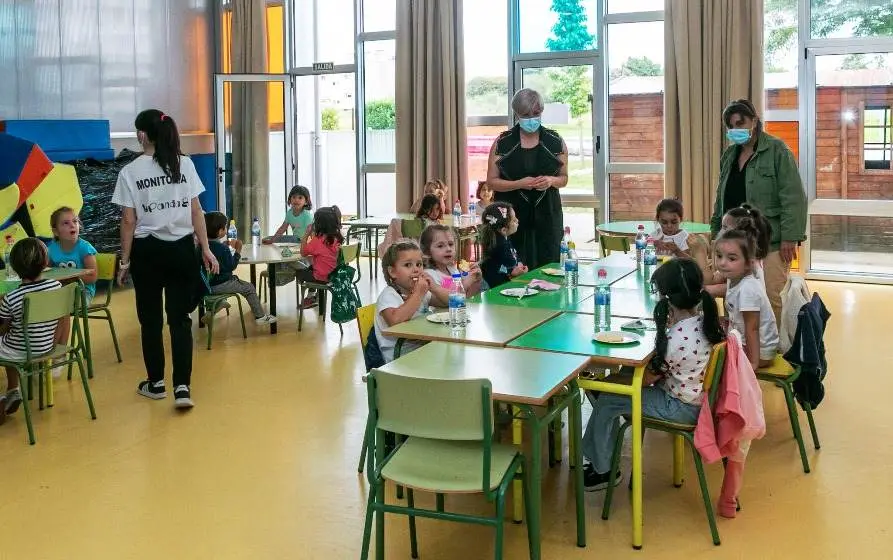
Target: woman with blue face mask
[527, 166]
[760, 170]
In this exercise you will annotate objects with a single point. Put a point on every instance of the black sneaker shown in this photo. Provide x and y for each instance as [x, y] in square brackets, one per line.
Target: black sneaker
[182, 398]
[152, 390]
[13, 400]
[593, 481]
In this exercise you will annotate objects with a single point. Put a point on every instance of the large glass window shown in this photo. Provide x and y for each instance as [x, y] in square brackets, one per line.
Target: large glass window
[850, 18]
[379, 15]
[558, 25]
[486, 58]
[380, 111]
[625, 6]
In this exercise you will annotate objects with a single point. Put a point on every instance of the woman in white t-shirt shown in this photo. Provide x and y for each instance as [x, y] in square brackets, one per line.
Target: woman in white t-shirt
[161, 213]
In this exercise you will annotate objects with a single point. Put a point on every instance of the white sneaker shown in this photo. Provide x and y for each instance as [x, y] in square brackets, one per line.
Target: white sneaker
[265, 320]
[57, 372]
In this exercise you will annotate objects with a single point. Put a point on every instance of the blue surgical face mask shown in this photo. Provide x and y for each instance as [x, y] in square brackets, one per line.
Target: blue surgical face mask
[530, 125]
[738, 135]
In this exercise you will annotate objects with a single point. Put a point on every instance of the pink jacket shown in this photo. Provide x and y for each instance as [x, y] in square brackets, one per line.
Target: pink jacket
[737, 416]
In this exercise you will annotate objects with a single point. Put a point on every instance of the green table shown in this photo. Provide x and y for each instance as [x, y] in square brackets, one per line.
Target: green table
[490, 325]
[557, 300]
[639, 279]
[526, 380]
[571, 333]
[631, 228]
[637, 303]
[617, 266]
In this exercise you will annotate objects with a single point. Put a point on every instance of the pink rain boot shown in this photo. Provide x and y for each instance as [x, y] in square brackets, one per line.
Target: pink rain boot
[731, 485]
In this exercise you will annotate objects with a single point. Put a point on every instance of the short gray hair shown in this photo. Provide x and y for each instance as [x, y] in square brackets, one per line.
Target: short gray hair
[527, 101]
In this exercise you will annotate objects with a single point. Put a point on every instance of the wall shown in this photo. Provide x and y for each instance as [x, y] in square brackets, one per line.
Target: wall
[636, 135]
[67, 59]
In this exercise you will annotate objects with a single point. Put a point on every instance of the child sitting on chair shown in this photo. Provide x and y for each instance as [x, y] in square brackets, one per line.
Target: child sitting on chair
[320, 246]
[28, 259]
[227, 253]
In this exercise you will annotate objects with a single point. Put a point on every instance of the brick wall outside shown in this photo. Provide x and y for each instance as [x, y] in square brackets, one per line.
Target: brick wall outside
[636, 135]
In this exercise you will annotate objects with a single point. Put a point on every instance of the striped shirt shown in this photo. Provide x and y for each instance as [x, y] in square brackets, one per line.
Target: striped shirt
[40, 335]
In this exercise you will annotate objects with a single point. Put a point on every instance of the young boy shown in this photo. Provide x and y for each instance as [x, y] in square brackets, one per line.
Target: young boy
[227, 253]
[28, 259]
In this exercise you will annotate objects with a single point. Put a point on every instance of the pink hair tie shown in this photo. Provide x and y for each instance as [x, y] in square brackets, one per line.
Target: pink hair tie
[163, 116]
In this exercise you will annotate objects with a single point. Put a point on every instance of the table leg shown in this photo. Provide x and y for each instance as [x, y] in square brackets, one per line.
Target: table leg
[678, 461]
[576, 449]
[517, 489]
[271, 279]
[375, 250]
[85, 322]
[534, 480]
[636, 398]
[253, 275]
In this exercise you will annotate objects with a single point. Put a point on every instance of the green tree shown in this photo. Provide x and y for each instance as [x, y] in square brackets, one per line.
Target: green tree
[638, 66]
[854, 62]
[570, 32]
[330, 119]
[480, 86]
[381, 114]
[572, 86]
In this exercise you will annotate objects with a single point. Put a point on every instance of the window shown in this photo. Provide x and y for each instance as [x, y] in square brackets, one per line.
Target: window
[840, 19]
[557, 25]
[380, 88]
[877, 143]
[626, 6]
[378, 15]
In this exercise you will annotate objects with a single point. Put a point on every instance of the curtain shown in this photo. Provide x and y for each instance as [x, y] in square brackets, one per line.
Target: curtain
[248, 120]
[714, 55]
[430, 99]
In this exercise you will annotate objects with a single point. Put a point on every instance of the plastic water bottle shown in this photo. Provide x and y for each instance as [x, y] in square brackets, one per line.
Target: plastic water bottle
[641, 241]
[602, 301]
[571, 268]
[562, 251]
[457, 213]
[472, 208]
[10, 273]
[650, 253]
[232, 233]
[255, 232]
[457, 304]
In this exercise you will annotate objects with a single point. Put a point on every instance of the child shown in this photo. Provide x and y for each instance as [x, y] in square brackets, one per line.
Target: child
[28, 259]
[429, 211]
[299, 216]
[748, 219]
[440, 190]
[670, 238]
[405, 297]
[500, 262]
[320, 246]
[688, 326]
[227, 253]
[68, 250]
[746, 302]
[484, 195]
[438, 247]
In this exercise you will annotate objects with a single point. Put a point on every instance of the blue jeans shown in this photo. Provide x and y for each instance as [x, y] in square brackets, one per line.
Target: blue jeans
[604, 423]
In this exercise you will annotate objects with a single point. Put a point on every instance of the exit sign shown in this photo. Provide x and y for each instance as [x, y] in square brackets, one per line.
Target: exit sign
[323, 66]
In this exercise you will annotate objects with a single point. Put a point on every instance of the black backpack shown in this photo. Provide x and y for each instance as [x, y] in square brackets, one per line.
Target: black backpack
[372, 355]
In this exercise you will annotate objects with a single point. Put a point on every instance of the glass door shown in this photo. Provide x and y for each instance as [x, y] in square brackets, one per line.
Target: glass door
[849, 173]
[570, 89]
[254, 140]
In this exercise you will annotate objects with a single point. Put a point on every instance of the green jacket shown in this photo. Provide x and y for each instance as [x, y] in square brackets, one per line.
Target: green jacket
[773, 185]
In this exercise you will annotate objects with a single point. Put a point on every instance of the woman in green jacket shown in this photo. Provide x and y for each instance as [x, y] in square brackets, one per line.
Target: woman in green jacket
[760, 170]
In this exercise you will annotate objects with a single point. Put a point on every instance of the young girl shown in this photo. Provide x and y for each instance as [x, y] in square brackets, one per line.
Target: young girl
[439, 189]
[687, 328]
[428, 212]
[405, 297]
[298, 216]
[669, 237]
[747, 305]
[500, 261]
[320, 246]
[748, 219]
[438, 247]
[484, 195]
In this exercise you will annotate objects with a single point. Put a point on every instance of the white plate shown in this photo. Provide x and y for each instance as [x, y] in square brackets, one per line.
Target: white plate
[443, 317]
[616, 337]
[519, 292]
[553, 272]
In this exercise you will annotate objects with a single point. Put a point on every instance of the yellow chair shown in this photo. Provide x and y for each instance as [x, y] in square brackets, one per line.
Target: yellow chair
[782, 375]
[106, 271]
[365, 322]
[609, 243]
[683, 433]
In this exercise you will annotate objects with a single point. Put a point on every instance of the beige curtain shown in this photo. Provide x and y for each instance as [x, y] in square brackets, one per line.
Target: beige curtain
[248, 117]
[713, 55]
[430, 99]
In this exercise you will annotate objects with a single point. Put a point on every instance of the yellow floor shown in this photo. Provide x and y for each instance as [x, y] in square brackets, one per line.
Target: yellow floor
[265, 465]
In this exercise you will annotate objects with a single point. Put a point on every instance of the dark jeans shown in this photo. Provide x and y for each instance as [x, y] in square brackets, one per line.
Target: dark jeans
[169, 267]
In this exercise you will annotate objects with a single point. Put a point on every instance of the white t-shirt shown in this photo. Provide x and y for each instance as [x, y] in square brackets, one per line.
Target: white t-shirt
[688, 353]
[389, 298]
[163, 208]
[439, 277]
[680, 238]
[750, 295]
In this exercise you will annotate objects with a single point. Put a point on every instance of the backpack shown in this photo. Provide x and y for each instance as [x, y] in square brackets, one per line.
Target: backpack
[345, 296]
[793, 297]
[372, 356]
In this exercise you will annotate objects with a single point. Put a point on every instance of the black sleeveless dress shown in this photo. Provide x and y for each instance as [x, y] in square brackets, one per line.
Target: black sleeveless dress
[540, 217]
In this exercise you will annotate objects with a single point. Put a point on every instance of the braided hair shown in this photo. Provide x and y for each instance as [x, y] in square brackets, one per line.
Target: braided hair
[751, 221]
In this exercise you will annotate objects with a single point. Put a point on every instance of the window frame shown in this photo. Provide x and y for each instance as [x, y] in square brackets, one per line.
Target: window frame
[886, 146]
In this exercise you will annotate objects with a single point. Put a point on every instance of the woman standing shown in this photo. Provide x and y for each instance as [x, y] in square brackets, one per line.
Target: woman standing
[527, 166]
[760, 170]
[159, 195]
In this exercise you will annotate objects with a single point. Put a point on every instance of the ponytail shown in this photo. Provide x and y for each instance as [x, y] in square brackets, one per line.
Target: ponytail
[661, 317]
[712, 326]
[162, 131]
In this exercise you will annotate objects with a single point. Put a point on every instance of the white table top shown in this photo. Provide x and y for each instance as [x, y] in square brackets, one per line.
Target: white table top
[267, 254]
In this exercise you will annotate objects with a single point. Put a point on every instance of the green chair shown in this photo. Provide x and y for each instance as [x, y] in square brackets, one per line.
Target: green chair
[783, 374]
[351, 255]
[609, 243]
[366, 323]
[213, 303]
[685, 431]
[47, 306]
[105, 263]
[449, 449]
